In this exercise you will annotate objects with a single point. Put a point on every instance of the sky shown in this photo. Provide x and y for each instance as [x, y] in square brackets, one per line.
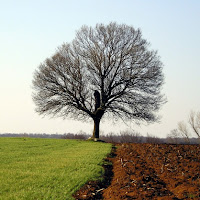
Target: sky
[31, 31]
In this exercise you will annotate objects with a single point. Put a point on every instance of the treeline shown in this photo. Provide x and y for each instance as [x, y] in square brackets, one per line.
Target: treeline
[123, 137]
[32, 135]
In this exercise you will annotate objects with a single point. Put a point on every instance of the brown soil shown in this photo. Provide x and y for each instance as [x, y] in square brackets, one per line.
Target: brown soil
[152, 171]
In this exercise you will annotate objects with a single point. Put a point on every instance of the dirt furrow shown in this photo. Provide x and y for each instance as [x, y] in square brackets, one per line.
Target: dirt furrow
[147, 171]
[150, 171]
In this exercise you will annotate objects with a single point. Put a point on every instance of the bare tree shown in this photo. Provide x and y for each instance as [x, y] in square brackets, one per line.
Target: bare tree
[194, 121]
[173, 136]
[104, 70]
[182, 130]
[182, 127]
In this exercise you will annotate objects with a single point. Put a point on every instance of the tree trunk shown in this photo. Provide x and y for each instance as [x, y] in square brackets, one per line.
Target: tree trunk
[96, 128]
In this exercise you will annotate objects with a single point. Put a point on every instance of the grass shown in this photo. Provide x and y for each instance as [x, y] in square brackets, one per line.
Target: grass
[48, 168]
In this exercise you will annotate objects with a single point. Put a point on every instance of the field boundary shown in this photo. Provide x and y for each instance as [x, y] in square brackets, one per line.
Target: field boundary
[94, 189]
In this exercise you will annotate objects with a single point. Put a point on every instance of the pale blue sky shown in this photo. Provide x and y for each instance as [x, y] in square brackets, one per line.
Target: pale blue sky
[30, 31]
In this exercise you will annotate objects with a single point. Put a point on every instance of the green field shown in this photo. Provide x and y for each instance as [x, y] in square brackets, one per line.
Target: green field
[48, 168]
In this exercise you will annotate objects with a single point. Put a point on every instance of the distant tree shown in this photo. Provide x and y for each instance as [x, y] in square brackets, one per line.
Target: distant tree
[194, 121]
[183, 130]
[194, 125]
[173, 136]
[104, 70]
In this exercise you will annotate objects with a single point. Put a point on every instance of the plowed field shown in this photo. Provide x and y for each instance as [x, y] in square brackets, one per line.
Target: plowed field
[151, 171]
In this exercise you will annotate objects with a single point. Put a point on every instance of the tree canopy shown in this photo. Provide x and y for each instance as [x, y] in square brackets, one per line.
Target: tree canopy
[105, 70]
